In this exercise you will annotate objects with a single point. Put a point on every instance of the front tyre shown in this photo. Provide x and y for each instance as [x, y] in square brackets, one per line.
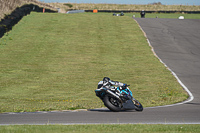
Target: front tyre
[138, 105]
[112, 103]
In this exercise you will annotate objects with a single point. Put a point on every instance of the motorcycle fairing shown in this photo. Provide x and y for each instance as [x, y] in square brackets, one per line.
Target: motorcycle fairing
[128, 105]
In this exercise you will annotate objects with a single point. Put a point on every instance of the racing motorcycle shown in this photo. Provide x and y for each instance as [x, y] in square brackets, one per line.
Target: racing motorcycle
[118, 99]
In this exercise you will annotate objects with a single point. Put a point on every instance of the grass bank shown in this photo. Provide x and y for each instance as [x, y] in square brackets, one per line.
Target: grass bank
[99, 128]
[54, 62]
[136, 7]
[7, 6]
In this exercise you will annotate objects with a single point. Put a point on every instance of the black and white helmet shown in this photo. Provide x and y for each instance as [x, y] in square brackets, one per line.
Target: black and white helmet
[106, 80]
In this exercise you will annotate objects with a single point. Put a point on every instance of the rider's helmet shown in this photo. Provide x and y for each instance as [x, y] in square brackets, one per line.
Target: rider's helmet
[106, 79]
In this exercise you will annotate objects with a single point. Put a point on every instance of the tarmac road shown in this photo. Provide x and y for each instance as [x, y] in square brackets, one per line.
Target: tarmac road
[177, 44]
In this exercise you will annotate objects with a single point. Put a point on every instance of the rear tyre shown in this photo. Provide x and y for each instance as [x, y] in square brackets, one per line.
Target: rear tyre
[138, 105]
[112, 103]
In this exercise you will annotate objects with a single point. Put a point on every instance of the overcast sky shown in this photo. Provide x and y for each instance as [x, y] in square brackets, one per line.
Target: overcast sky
[166, 2]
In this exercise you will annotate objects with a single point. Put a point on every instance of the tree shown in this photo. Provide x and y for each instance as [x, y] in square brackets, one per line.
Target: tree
[157, 3]
[69, 5]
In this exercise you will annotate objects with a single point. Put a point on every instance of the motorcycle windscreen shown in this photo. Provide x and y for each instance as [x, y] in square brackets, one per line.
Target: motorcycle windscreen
[128, 105]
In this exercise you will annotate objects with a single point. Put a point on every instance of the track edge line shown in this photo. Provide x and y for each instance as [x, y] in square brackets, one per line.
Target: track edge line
[191, 97]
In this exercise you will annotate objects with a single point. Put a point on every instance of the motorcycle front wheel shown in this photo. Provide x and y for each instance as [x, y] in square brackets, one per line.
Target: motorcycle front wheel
[112, 103]
[138, 105]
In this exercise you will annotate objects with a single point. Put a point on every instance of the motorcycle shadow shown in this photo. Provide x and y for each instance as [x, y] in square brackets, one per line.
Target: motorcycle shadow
[107, 110]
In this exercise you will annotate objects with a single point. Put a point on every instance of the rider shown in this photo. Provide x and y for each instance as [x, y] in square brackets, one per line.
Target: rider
[142, 13]
[109, 84]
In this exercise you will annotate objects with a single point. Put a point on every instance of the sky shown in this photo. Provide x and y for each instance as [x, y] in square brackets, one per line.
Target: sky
[165, 2]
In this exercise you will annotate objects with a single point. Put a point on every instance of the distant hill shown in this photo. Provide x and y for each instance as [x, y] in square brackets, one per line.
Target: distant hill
[149, 7]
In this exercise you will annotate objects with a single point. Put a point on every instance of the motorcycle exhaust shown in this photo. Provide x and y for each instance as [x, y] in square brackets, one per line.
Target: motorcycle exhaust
[113, 94]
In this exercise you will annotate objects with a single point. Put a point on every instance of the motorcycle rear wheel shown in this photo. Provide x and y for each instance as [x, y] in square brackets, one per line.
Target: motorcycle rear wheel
[112, 103]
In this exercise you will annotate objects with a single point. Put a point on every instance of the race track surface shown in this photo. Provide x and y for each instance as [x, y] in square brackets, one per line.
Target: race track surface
[177, 44]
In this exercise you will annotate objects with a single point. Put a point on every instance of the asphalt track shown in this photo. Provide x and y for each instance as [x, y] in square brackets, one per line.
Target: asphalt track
[177, 44]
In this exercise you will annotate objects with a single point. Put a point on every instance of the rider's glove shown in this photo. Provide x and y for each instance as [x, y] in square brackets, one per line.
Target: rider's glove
[124, 86]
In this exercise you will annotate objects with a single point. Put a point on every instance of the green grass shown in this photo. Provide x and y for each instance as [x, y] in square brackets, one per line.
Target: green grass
[101, 128]
[54, 62]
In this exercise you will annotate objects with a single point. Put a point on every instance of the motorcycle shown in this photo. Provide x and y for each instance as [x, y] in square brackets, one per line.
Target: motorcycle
[118, 99]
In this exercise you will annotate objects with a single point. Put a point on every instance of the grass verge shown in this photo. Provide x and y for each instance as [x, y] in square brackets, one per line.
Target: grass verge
[99, 128]
[7, 6]
[54, 62]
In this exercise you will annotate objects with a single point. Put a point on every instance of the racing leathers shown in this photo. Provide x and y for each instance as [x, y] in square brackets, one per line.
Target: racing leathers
[112, 85]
